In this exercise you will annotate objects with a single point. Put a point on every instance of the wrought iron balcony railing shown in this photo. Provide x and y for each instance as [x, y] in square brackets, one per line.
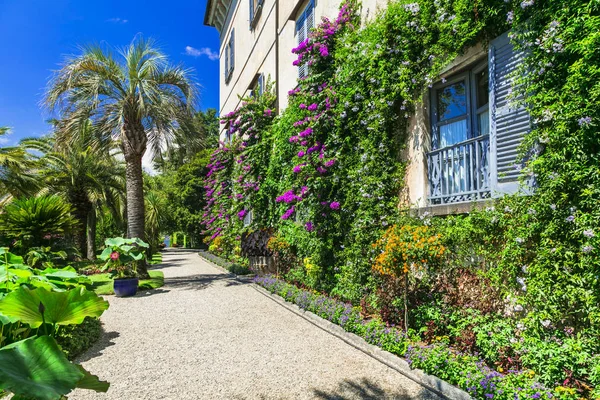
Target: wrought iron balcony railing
[460, 172]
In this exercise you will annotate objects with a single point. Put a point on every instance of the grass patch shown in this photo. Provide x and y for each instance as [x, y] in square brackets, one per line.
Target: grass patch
[156, 259]
[102, 283]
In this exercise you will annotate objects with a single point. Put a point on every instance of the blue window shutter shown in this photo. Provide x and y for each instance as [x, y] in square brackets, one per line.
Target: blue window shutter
[232, 47]
[226, 69]
[509, 122]
[251, 2]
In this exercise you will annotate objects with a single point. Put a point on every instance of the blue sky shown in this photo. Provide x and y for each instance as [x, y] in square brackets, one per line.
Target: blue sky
[35, 36]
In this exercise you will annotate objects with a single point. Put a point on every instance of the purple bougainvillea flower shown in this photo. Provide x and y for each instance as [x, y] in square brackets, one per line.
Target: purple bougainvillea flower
[268, 112]
[309, 226]
[302, 106]
[294, 139]
[306, 133]
[330, 163]
[242, 214]
[301, 153]
[288, 197]
[312, 107]
[298, 168]
[334, 205]
[288, 213]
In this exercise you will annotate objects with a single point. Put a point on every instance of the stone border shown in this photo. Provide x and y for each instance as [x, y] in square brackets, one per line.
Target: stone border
[429, 382]
[242, 278]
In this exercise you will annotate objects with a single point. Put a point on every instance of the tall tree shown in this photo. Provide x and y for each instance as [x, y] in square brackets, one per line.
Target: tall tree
[135, 96]
[86, 173]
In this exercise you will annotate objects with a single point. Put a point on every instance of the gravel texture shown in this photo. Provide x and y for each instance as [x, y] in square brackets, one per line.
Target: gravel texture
[207, 336]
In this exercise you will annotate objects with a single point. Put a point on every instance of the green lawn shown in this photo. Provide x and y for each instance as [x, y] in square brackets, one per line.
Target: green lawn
[156, 259]
[103, 284]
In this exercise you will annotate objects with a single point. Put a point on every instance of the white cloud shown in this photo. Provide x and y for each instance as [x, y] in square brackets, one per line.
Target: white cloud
[117, 20]
[205, 51]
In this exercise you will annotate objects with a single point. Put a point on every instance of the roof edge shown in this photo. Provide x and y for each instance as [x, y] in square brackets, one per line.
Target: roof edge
[208, 12]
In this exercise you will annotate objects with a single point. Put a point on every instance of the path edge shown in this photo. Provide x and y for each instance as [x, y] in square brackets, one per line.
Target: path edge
[429, 382]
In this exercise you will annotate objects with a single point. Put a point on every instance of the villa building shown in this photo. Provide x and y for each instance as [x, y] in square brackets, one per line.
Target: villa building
[463, 137]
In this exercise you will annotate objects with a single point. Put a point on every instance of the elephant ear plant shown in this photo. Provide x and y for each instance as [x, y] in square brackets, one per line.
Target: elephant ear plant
[33, 365]
[122, 256]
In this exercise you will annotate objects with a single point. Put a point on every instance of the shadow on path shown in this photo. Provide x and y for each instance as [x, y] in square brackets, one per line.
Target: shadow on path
[199, 282]
[106, 340]
[367, 389]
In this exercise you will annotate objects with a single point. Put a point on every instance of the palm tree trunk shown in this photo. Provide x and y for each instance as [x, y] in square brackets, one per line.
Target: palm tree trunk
[91, 234]
[135, 201]
[81, 209]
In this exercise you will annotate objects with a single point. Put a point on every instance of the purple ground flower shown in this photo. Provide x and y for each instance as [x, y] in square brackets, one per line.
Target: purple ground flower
[585, 121]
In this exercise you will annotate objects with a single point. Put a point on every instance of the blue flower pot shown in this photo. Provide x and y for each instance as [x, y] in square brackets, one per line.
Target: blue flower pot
[126, 287]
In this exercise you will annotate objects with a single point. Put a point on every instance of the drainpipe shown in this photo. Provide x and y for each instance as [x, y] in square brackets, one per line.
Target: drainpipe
[277, 56]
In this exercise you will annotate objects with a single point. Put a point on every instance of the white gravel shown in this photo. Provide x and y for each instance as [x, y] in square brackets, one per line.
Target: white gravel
[204, 336]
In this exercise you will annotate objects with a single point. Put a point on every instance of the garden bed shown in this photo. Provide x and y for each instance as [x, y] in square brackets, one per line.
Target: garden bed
[233, 268]
[463, 370]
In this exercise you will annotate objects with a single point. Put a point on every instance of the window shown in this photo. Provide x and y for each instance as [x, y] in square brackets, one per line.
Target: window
[304, 23]
[459, 162]
[229, 56]
[255, 9]
[460, 108]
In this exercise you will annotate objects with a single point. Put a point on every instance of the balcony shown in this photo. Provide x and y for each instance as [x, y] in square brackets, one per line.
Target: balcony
[460, 173]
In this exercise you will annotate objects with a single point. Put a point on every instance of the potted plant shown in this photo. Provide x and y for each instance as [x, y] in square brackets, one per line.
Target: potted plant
[122, 257]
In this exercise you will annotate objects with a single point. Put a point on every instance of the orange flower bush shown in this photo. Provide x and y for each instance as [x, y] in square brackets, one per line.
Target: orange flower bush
[404, 247]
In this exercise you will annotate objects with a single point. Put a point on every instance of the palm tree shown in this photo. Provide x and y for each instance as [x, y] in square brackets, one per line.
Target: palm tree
[138, 98]
[86, 173]
[15, 180]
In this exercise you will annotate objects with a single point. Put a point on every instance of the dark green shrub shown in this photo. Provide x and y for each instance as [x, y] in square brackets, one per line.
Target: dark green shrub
[77, 339]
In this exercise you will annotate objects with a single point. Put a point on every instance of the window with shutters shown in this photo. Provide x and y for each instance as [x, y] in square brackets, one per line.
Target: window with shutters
[476, 130]
[230, 57]
[304, 23]
[255, 9]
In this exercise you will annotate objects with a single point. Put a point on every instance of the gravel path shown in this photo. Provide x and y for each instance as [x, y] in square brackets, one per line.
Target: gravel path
[204, 336]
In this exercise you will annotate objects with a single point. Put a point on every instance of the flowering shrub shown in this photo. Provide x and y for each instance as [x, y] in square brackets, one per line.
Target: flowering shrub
[468, 372]
[404, 247]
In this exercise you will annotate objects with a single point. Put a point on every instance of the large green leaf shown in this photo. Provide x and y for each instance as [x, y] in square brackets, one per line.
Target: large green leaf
[7, 256]
[118, 241]
[62, 308]
[37, 368]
